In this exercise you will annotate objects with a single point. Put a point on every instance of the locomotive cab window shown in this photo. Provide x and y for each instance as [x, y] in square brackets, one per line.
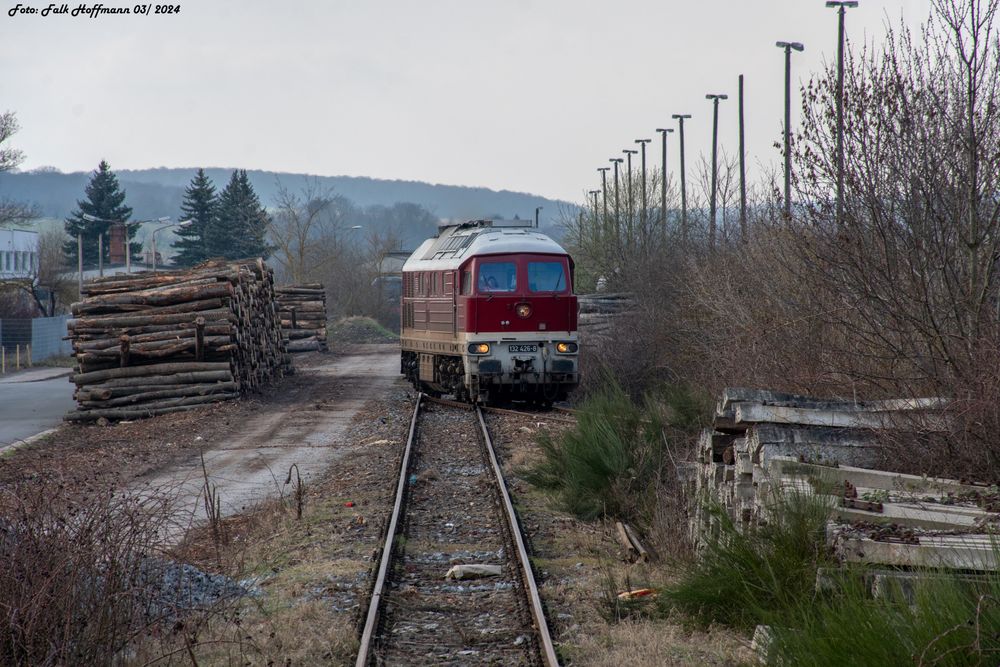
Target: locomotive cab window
[497, 277]
[547, 277]
[466, 282]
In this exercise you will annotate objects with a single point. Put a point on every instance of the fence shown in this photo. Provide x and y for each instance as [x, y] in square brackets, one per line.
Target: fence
[27, 341]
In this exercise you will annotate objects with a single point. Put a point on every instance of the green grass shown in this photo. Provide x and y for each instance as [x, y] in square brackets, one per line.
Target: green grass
[944, 621]
[768, 576]
[609, 464]
[741, 579]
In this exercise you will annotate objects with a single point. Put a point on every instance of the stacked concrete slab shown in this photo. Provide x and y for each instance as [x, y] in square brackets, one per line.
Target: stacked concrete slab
[766, 445]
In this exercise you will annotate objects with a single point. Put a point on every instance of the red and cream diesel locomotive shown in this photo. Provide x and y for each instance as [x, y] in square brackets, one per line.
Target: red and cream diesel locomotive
[488, 314]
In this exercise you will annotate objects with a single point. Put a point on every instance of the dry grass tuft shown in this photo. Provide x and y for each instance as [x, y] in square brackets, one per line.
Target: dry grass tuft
[657, 644]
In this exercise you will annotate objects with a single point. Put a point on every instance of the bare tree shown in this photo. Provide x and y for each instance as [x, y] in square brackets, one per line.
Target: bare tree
[305, 228]
[50, 286]
[611, 246]
[9, 157]
[12, 212]
[915, 259]
[910, 273]
[727, 188]
[51, 274]
[379, 245]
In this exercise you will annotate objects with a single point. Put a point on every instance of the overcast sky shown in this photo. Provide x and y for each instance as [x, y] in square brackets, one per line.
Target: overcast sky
[527, 95]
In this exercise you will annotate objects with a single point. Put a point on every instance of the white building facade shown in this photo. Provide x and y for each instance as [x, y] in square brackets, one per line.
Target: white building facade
[18, 254]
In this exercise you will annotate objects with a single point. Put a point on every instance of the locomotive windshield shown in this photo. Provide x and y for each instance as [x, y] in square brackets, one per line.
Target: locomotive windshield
[546, 277]
[497, 277]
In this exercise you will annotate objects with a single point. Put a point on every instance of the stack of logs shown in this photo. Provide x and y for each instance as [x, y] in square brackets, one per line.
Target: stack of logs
[303, 316]
[152, 343]
[765, 446]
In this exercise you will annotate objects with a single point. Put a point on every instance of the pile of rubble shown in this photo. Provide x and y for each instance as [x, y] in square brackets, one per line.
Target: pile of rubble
[765, 444]
[156, 342]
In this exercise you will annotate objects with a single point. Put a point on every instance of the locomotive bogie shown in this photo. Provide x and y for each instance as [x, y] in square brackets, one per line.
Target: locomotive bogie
[494, 368]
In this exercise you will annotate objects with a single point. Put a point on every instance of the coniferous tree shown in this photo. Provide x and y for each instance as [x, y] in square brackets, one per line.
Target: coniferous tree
[240, 225]
[105, 200]
[199, 206]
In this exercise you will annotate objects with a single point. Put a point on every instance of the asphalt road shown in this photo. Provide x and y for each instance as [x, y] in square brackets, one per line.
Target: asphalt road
[32, 402]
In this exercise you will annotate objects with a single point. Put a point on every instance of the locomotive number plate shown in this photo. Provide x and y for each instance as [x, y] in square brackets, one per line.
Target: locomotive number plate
[523, 348]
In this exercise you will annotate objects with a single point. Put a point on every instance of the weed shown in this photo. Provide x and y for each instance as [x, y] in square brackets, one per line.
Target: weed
[299, 490]
[742, 578]
[607, 464]
[74, 585]
[213, 510]
[941, 619]
[876, 496]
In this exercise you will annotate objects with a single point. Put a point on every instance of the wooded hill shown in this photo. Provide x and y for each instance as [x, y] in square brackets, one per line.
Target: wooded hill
[157, 192]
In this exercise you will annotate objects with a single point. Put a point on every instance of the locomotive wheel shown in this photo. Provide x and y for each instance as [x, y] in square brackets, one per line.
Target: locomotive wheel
[433, 393]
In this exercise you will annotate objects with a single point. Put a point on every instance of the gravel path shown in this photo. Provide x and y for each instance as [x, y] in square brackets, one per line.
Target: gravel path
[303, 425]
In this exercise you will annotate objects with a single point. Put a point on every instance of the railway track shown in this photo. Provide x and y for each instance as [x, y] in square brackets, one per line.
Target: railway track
[507, 411]
[452, 508]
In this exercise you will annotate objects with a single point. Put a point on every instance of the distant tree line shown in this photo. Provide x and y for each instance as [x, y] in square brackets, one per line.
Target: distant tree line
[232, 224]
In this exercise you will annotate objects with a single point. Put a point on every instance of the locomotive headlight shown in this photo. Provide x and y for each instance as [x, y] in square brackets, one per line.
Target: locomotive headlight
[479, 348]
[523, 310]
[566, 348]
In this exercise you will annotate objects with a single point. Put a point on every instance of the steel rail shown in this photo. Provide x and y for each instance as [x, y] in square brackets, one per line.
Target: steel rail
[541, 626]
[374, 609]
[505, 411]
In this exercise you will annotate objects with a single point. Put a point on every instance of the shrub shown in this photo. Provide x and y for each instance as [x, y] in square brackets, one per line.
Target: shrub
[741, 579]
[940, 620]
[610, 463]
[71, 584]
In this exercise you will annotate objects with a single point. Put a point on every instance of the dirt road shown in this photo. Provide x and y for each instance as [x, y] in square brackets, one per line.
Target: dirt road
[301, 426]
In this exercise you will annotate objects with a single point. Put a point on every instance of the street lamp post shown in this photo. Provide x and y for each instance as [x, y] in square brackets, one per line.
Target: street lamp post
[715, 163]
[604, 191]
[684, 199]
[128, 247]
[743, 172]
[788, 46]
[629, 204]
[841, 10]
[618, 212]
[618, 209]
[182, 223]
[663, 176]
[79, 252]
[642, 145]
